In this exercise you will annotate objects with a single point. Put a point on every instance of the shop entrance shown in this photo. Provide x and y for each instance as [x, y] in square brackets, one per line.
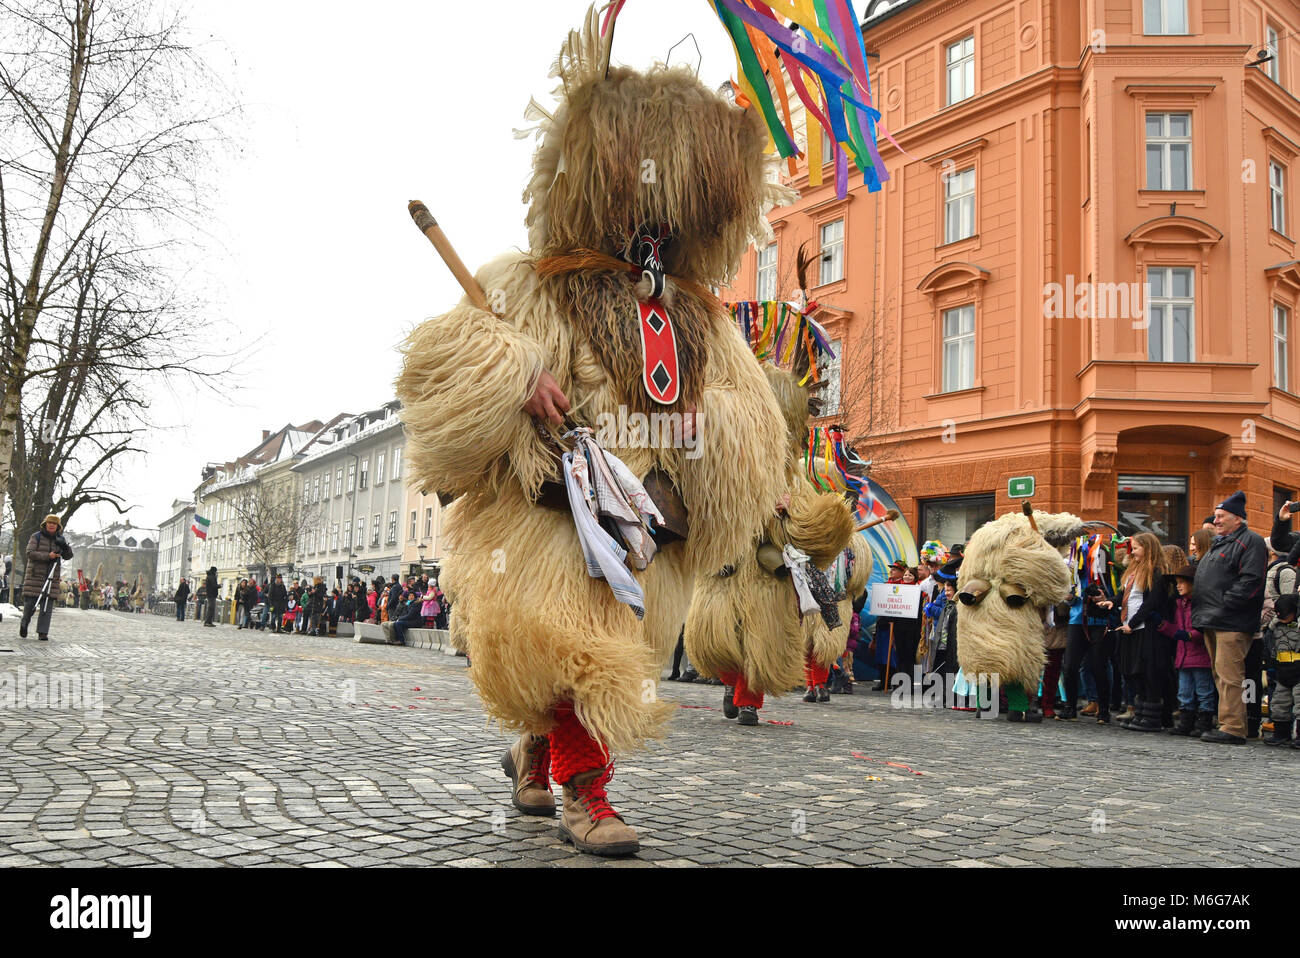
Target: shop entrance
[1155, 504]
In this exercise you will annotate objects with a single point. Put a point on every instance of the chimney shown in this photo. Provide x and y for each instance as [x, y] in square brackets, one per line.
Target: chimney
[266, 434]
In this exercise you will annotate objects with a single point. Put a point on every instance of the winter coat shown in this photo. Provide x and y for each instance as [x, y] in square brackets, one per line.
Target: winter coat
[279, 596]
[182, 593]
[1191, 652]
[39, 547]
[1279, 579]
[210, 583]
[1229, 586]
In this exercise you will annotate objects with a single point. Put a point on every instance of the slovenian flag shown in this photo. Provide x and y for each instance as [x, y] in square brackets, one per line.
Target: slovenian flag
[200, 526]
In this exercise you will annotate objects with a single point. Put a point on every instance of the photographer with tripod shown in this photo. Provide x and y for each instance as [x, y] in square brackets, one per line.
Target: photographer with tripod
[46, 550]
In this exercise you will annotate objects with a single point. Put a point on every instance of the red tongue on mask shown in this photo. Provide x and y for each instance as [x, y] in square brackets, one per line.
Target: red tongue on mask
[658, 353]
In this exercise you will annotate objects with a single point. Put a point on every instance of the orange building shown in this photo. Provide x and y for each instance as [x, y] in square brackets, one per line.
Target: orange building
[1081, 269]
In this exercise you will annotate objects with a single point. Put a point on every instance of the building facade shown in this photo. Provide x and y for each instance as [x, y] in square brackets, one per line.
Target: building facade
[1080, 280]
[352, 483]
[118, 553]
[175, 548]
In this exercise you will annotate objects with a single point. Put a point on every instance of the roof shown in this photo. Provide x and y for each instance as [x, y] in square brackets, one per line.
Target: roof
[882, 10]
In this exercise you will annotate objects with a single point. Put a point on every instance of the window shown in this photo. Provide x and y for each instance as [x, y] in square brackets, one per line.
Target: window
[961, 70]
[1281, 333]
[315, 489]
[365, 473]
[414, 521]
[311, 541]
[379, 469]
[828, 147]
[1169, 151]
[397, 462]
[1272, 43]
[959, 206]
[374, 531]
[958, 348]
[1164, 17]
[338, 481]
[352, 476]
[347, 536]
[392, 527]
[1171, 311]
[832, 256]
[1155, 504]
[953, 520]
[830, 371]
[428, 522]
[334, 537]
[325, 486]
[1277, 197]
[765, 287]
[361, 532]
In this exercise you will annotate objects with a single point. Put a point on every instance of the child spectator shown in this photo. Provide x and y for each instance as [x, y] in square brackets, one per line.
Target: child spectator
[1283, 644]
[1196, 694]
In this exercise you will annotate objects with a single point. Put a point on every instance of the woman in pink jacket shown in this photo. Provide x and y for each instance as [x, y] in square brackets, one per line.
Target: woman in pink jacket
[1196, 695]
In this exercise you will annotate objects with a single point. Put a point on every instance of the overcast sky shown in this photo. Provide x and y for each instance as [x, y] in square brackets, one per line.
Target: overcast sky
[351, 110]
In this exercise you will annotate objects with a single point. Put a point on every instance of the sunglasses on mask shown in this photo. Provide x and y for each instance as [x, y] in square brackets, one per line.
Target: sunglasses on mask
[976, 589]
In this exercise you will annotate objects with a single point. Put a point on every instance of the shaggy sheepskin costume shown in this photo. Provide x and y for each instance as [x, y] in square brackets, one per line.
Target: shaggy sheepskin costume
[744, 625]
[817, 668]
[554, 655]
[1006, 557]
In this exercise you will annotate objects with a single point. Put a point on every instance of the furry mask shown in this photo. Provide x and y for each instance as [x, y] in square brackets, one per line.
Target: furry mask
[627, 148]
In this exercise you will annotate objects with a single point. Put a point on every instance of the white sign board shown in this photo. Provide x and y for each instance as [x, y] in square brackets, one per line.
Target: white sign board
[896, 599]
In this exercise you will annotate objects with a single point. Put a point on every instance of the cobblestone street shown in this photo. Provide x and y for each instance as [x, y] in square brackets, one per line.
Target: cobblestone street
[218, 746]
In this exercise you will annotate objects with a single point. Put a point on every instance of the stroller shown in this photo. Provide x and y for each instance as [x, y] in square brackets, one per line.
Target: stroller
[261, 615]
[290, 616]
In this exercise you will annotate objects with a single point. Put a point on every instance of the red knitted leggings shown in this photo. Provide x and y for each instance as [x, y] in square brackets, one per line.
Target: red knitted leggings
[814, 673]
[573, 750]
[744, 694]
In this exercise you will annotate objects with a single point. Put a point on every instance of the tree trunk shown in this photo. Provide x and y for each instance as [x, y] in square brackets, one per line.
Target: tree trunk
[31, 304]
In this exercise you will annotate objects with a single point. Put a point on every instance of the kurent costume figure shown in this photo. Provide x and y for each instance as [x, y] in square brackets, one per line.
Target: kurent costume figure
[758, 624]
[646, 189]
[1013, 570]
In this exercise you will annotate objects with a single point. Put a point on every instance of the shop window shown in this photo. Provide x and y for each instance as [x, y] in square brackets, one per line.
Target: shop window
[1155, 504]
[954, 520]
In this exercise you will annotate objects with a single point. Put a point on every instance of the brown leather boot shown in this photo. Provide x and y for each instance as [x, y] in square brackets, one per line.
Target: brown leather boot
[589, 821]
[528, 765]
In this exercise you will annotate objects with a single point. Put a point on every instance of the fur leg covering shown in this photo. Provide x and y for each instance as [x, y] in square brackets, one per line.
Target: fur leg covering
[573, 749]
[539, 630]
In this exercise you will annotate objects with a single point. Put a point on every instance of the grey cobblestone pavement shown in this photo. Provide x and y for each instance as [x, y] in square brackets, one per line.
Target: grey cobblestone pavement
[217, 746]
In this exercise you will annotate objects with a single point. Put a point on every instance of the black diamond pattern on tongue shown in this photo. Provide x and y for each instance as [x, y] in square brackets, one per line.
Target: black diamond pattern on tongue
[655, 322]
[661, 377]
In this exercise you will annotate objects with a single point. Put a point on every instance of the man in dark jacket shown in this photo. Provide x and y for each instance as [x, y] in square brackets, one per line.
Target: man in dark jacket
[279, 602]
[45, 549]
[211, 589]
[182, 596]
[1227, 601]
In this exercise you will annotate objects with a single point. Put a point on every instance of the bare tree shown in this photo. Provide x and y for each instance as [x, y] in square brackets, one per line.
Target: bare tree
[270, 518]
[107, 121]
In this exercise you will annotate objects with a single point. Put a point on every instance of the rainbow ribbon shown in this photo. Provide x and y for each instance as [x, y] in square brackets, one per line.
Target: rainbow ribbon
[776, 332]
[825, 58]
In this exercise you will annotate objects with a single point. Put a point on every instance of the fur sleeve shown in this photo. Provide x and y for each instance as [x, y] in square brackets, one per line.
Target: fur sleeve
[465, 378]
[732, 488]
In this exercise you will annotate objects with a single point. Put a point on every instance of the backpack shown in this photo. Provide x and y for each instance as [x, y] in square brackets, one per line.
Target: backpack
[1276, 577]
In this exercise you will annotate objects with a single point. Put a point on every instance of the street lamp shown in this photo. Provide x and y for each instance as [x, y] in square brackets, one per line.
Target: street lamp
[421, 550]
[352, 557]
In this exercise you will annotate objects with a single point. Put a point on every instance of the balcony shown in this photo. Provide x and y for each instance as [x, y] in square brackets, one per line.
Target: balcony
[1106, 382]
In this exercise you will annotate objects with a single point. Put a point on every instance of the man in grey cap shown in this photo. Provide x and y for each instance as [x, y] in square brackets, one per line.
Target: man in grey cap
[1227, 601]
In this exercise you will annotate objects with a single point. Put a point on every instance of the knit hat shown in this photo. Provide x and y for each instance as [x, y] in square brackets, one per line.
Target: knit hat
[1208, 520]
[1186, 572]
[52, 518]
[1235, 503]
[949, 571]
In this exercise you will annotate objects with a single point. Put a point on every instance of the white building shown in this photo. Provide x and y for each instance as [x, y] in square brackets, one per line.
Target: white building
[352, 478]
[175, 548]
